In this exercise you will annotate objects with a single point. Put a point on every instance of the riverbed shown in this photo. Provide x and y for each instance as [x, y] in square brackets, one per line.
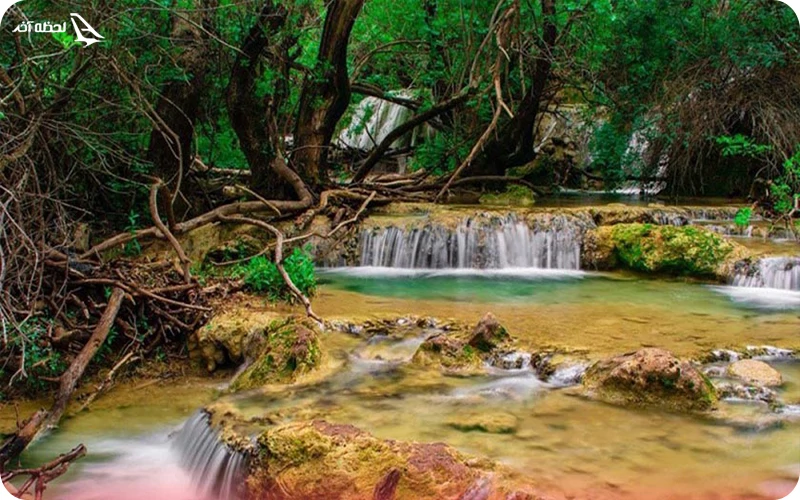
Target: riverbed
[572, 447]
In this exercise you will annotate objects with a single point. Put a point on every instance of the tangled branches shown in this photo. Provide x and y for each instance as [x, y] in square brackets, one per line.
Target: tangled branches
[40, 476]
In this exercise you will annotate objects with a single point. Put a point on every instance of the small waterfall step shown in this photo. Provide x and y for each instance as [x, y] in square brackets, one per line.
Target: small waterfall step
[503, 242]
[217, 471]
[781, 273]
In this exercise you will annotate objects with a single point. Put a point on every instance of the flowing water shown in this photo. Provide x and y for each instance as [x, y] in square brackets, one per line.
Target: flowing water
[157, 445]
[571, 446]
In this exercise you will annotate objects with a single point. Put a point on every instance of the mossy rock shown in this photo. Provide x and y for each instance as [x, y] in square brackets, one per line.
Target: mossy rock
[680, 251]
[650, 378]
[448, 352]
[488, 334]
[220, 343]
[323, 460]
[286, 349]
[462, 350]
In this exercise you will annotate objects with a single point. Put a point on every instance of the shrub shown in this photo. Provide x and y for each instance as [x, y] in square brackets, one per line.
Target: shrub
[262, 276]
[743, 216]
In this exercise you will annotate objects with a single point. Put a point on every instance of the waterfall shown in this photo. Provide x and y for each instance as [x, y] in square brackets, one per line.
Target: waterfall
[500, 243]
[217, 471]
[373, 120]
[774, 272]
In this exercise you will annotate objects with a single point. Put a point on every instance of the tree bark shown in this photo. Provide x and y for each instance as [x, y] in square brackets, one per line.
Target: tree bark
[326, 93]
[253, 118]
[514, 144]
[170, 148]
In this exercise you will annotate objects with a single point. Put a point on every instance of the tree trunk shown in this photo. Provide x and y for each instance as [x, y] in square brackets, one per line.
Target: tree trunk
[253, 118]
[170, 148]
[514, 144]
[326, 93]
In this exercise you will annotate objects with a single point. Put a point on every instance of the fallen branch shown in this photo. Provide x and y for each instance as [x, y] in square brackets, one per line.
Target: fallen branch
[106, 382]
[70, 378]
[40, 420]
[40, 476]
[185, 261]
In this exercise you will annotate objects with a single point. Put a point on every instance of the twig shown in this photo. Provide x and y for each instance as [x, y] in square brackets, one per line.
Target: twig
[185, 261]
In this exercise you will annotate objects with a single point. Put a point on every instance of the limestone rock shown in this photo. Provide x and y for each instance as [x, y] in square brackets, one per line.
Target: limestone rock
[325, 460]
[650, 377]
[448, 352]
[285, 350]
[755, 372]
[488, 334]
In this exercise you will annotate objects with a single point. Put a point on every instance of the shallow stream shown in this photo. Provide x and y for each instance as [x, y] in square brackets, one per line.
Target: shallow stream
[540, 425]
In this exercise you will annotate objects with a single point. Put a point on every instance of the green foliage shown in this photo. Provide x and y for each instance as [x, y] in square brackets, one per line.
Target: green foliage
[740, 145]
[742, 217]
[65, 39]
[262, 276]
[785, 190]
[133, 248]
[40, 358]
[685, 250]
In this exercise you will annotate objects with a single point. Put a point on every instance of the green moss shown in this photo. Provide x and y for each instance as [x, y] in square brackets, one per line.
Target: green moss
[685, 250]
[289, 449]
[286, 349]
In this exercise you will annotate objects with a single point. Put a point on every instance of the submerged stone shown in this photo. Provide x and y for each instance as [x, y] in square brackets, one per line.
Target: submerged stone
[755, 372]
[652, 378]
[491, 423]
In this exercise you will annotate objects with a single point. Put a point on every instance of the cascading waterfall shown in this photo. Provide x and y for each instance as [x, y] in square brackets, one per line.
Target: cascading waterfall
[374, 119]
[774, 272]
[217, 471]
[495, 244]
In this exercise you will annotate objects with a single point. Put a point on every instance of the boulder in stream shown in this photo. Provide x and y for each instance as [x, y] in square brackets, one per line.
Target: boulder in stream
[319, 459]
[462, 350]
[650, 377]
[280, 353]
[488, 334]
[755, 372]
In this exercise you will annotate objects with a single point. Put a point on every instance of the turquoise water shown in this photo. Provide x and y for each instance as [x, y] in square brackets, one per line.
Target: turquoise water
[534, 286]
